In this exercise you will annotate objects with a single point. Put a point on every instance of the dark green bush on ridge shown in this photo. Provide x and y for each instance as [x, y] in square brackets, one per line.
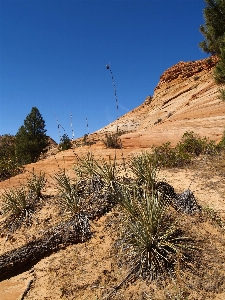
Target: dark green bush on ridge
[65, 143]
[112, 140]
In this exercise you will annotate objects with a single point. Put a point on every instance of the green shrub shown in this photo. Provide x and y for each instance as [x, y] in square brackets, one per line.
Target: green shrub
[171, 157]
[193, 144]
[112, 140]
[9, 168]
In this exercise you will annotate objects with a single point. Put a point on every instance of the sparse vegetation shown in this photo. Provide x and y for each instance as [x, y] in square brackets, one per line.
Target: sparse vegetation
[158, 121]
[152, 237]
[190, 146]
[112, 140]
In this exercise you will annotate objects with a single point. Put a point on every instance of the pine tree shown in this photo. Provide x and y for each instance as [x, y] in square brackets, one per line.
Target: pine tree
[214, 33]
[31, 138]
[214, 28]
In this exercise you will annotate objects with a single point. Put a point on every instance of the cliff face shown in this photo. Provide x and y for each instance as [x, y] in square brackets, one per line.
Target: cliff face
[185, 99]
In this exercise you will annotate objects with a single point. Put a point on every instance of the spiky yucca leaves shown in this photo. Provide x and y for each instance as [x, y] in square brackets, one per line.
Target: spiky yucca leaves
[85, 167]
[144, 168]
[153, 239]
[88, 166]
[36, 184]
[105, 171]
[69, 197]
[18, 205]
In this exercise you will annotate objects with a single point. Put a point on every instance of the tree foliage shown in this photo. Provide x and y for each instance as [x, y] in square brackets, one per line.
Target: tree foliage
[214, 33]
[65, 143]
[31, 138]
[214, 28]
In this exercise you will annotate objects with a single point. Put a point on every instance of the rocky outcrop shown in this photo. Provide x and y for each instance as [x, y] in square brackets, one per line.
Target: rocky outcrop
[185, 99]
[184, 70]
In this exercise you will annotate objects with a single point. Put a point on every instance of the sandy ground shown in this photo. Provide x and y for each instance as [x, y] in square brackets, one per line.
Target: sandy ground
[90, 270]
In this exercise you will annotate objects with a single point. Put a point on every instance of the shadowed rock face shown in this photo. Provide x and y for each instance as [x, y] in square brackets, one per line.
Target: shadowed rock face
[185, 99]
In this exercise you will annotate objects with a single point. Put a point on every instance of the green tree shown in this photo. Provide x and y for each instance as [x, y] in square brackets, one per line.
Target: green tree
[214, 28]
[31, 138]
[214, 33]
[65, 143]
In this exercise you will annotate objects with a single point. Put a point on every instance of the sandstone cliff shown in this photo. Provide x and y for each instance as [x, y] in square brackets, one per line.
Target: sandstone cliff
[185, 99]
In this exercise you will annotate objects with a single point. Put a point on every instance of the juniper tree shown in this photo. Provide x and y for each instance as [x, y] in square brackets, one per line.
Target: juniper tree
[214, 33]
[31, 138]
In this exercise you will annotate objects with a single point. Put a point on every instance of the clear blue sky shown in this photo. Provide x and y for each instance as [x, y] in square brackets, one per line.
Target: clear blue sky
[53, 56]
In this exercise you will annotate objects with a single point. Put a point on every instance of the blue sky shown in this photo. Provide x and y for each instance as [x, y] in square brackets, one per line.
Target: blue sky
[53, 56]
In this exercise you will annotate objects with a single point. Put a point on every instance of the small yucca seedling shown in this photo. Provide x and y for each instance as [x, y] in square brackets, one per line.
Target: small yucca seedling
[154, 240]
[36, 184]
[69, 198]
[18, 206]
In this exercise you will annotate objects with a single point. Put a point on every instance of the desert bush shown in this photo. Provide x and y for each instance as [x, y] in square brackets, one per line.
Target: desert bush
[112, 140]
[221, 145]
[171, 157]
[9, 168]
[193, 144]
[158, 121]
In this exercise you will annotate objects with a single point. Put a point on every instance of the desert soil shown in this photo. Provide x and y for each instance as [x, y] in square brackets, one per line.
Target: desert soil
[90, 270]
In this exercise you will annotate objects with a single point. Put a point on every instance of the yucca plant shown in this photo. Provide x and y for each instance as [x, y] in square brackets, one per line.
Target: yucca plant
[18, 207]
[105, 171]
[152, 237]
[36, 184]
[68, 193]
[84, 168]
[144, 168]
